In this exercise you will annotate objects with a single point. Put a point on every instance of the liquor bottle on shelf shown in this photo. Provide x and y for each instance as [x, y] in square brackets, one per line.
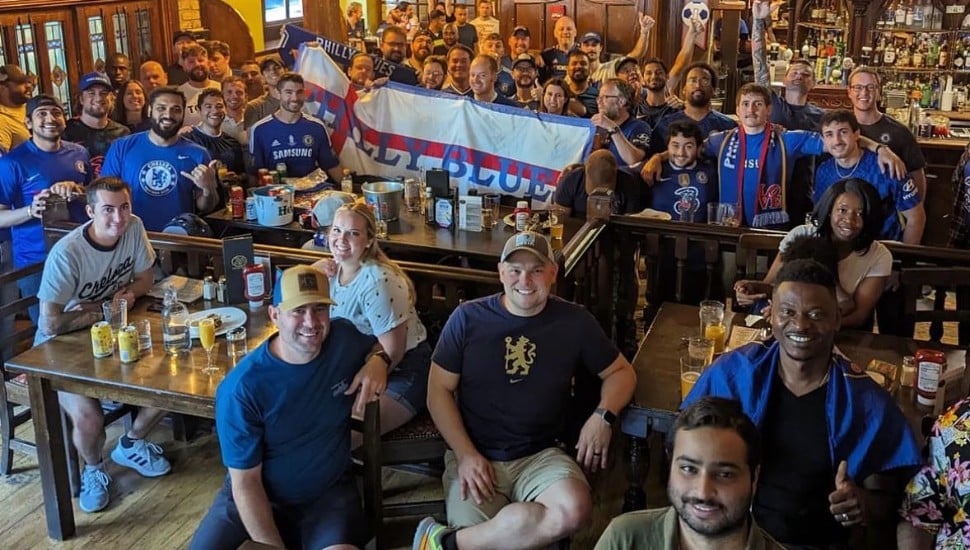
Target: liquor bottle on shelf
[831, 12]
[944, 60]
[889, 54]
[909, 16]
[918, 15]
[933, 53]
[916, 57]
[813, 48]
[899, 18]
[878, 51]
[902, 56]
[806, 48]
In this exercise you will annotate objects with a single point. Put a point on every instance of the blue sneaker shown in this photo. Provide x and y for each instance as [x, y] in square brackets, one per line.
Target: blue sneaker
[429, 534]
[94, 490]
[143, 456]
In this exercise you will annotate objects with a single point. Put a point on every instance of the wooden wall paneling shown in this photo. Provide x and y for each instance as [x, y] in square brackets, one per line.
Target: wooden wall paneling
[549, 24]
[531, 15]
[323, 17]
[615, 20]
[227, 25]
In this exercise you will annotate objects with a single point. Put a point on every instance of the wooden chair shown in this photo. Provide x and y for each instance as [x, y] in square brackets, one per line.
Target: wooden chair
[751, 248]
[942, 279]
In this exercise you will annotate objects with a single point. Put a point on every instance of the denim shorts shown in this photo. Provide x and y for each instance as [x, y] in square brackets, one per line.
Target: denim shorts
[408, 382]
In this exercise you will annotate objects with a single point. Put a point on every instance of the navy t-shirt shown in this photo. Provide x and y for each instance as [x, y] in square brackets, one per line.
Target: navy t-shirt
[683, 189]
[294, 420]
[898, 138]
[571, 192]
[712, 122]
[303, 145]
[636, 132]
[795, 117]
[516, 372]
[555, 61]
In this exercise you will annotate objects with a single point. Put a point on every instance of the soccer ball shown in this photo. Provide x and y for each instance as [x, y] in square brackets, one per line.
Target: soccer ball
[695, 10]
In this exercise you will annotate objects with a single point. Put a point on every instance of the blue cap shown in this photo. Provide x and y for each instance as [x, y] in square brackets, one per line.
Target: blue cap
[590, 36]
[94, 79]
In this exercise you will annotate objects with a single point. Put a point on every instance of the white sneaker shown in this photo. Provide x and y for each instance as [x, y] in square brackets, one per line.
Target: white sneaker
[143, 456]
[94, 490]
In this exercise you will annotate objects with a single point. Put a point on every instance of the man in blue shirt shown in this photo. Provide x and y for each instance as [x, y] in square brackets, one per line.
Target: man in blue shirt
[293, 137]
[841, 450]
[902, 203]
[283, 420]
[700, 81]
[625, 136]
[29, 174]
[686, 184]
[168, 174]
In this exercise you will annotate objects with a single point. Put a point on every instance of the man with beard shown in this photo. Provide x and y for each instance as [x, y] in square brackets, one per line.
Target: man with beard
[255, 86]
[841, 450]
[283, 422]
[118, 69]
[151, 74]
[467, 34]
[93, 129]
[13, 97]
[393, 47]
[197, 64]
[360, 71]
[698, 90]
[449, 36]
[218, 60]
[524, 72]
[519, 42]
[267, 102]
[420, 50]
[234, 92]
[585, 92]
[481, 77]
[208, 133]
[29, 173]
[554, 58]
[485, 24]
[625, 136]
[715, 456]
[459, 59]
[107, 258]
[507, 483]
[170, 175]
[901, 200]
[177, 74]
[293, 137]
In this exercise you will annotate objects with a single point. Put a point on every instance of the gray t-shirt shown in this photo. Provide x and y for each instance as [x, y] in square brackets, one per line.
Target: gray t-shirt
[77, 270]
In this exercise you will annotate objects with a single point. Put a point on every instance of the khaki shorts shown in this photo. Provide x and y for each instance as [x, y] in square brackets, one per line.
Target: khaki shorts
[520, 480]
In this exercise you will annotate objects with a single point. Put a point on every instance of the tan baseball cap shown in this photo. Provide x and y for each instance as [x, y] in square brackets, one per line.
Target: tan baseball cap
[301, 285]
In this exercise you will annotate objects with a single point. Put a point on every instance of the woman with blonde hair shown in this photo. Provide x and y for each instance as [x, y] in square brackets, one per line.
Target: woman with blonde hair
[378, 297]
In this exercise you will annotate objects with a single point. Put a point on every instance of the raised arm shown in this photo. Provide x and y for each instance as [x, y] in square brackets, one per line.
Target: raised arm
[695, 29]
[639, 51]
[761, 11]
[254, 507]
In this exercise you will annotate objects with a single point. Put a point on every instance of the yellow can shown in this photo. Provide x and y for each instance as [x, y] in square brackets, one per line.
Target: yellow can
[128, 344]
[101, 344]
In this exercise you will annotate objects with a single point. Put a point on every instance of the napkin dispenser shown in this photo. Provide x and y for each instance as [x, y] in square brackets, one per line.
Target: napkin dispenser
[237, 253]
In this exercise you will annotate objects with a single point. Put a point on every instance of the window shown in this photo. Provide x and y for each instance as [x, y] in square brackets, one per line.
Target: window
[278, 11]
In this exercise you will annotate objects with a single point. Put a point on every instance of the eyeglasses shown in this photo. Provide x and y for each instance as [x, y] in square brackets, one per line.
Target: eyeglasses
[857, 88]
[604, 97]
[436, 74]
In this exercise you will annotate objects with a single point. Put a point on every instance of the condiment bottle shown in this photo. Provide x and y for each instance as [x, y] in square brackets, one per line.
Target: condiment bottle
[521, 215]
[930, 365]
[254, 284]
[428, 206]
[908, 374]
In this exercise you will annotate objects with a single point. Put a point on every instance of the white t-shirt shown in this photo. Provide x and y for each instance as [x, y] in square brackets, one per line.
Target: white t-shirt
[376, 301]
[877, 261]
[192, 114]
[485, 26]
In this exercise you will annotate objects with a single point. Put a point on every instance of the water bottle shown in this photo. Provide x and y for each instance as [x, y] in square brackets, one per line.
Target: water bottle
[175, 323]
[347, 183]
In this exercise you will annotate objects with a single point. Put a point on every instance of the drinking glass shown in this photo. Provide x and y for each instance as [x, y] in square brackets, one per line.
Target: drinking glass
[490, 210]
[144, 334]
[711, 313]
[700, 351]
[236, 343]
[690, 372]
[727, 214]
[207, 337]
[557, 217]
[116, 315]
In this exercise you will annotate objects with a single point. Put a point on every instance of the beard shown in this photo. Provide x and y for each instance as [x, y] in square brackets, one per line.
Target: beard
[733, 519]
[163, 133]
[579, 75]
[696, 99]
[199, 74]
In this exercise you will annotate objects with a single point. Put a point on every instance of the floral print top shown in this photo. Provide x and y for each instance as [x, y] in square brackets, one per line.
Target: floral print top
[937, 499]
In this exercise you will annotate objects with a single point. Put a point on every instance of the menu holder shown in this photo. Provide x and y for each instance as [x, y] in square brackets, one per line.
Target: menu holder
[470, 212]
[237, 253]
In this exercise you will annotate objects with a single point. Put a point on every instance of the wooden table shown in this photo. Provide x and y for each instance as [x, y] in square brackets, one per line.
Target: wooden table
[169, 382]
[657, 364]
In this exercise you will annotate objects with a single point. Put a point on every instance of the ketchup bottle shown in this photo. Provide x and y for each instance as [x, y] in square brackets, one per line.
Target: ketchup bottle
[254, 284]
[521, 215]
[930, 365]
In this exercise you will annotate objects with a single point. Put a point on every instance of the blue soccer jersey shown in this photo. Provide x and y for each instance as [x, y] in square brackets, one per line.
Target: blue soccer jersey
[303, 145]
[897, 195]
[712, 122]
[683, 190]
[26, 171]
[763, 192]
[158, 190]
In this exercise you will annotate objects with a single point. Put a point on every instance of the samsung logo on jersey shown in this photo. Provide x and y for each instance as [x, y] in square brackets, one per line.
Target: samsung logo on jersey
[293, 152]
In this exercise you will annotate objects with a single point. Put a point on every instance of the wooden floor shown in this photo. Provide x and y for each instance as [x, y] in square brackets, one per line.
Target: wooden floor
[163, 513]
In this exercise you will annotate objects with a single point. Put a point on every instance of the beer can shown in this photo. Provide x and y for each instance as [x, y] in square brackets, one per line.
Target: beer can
[128, 344]
[237, 198]
[262, 172]
[250, 209]
[276, 177]
[266, 179]
[281, 169]
[306, 219]
[101, 344]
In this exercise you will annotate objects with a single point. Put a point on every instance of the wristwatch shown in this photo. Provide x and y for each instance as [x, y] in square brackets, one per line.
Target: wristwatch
[382, 355]
[606, 415]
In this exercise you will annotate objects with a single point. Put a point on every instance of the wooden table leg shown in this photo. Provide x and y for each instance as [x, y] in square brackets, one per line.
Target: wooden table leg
[52, 458]
[638, 464]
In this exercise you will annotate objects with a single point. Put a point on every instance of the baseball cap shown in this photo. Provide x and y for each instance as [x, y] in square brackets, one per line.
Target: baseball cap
[326, 206]
[520, 30]
[301, 285]
[531, 241]
[524, 58]
[95, 79]
[592, 36]
[42, 100]
[626, 60]
[271, 59]
[423, 32]
[12, 73]
[180, 34]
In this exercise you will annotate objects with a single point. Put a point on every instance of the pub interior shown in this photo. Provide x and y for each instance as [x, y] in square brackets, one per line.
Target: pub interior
[600, 139]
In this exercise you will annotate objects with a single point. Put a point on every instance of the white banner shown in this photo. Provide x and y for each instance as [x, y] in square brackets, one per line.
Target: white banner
[398, 130]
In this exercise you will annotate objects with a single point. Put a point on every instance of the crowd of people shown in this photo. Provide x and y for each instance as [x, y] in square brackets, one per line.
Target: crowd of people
[779, 444]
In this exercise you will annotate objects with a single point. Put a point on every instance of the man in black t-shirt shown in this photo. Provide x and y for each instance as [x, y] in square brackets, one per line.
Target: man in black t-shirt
[93, 129]
[554, 58]
[208, 133]
[600, 170]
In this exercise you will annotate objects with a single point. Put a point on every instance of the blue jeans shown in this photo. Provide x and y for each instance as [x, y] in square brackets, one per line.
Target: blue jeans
[29, 286]
[408, 382]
